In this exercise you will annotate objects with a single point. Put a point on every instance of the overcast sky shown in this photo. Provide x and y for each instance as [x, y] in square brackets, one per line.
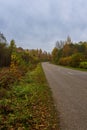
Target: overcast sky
[40, 23]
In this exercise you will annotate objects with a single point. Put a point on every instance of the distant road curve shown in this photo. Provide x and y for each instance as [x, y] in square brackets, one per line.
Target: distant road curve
[69, 89]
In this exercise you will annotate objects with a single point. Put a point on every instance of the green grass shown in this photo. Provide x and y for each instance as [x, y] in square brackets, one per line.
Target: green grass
[74, 68]
[28, 105]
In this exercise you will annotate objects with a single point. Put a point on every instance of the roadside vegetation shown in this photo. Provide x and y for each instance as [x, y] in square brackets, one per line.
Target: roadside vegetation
[67, 53]
[28, 105]
[25, 99]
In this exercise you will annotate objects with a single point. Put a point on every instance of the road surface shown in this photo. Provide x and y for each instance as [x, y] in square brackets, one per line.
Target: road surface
[69, 89]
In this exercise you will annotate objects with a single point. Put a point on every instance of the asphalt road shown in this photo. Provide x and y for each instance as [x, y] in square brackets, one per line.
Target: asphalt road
[69, 89]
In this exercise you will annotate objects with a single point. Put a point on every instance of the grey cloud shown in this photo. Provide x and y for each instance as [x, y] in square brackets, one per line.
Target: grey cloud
[38, 24]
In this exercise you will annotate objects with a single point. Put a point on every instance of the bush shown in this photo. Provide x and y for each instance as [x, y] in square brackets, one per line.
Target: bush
[7, 78]
[66, 61]
[83, 65]
[76, 59]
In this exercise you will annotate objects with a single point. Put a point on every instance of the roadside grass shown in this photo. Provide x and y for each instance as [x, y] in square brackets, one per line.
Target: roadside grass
[74, 68]
[28, 105]
[70, 67]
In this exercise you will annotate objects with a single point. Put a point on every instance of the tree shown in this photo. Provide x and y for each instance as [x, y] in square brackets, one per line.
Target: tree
[55, 55]
[4, 55]
[12, 46]
[2, 38]
[59, 44]
[66, 50]
[68, 41]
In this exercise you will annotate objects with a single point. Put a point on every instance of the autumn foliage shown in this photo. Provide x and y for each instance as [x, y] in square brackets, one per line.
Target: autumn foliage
[70, 54]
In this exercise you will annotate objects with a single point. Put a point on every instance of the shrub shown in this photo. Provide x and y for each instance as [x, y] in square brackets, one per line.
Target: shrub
[7, 78]
[66, 61]
[83, 65]
[76, 59]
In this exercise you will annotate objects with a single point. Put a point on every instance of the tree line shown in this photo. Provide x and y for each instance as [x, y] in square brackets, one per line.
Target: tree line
[24, 55]
[15, 62]
[68, 53]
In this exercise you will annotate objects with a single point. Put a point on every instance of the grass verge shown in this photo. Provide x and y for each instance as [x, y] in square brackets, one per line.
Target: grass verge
[28, 105]
[74, 68]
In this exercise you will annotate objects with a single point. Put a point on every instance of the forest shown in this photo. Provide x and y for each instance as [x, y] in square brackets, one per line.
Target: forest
[67, 53]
